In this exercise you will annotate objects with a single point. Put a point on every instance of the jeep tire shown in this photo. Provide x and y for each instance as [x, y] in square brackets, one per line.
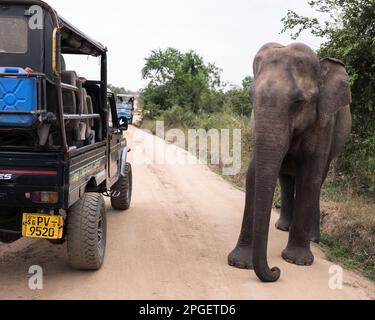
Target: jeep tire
[124, 187]
[87, 232]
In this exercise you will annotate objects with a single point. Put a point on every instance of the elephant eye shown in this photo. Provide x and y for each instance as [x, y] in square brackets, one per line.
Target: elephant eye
[296, 106]
[299, 101]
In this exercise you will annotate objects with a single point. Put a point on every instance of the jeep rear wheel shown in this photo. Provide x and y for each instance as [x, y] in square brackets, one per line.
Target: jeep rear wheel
[87, 232]
[124, 188]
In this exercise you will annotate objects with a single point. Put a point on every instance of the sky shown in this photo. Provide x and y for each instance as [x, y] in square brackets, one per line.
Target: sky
[226, 32]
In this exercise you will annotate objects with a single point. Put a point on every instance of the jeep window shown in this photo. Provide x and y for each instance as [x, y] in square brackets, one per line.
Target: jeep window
[13, 35]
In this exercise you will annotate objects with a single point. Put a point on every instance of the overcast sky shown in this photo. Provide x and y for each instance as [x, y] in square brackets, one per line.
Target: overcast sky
[226, 32]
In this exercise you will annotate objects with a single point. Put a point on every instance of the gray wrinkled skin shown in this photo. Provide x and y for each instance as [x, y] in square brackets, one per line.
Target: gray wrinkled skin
[300, 123]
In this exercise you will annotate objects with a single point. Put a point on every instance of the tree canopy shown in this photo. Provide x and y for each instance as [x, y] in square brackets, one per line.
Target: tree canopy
[178, 79]
[117, 90]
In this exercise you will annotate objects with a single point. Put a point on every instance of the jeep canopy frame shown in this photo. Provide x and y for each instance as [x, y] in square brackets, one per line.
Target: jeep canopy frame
[44, 58]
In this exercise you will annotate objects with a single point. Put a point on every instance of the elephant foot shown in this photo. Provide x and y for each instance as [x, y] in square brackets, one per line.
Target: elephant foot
[283, 224]
[315, 237]
[241, 257]
[298, 255]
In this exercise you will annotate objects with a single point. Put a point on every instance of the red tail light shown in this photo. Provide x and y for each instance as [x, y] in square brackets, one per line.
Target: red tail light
[42, 197]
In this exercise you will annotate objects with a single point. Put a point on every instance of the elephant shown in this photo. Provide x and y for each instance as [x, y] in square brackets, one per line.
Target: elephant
[301, 121]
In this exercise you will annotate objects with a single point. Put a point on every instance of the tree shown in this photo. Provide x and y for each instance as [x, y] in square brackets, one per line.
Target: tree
[238, 98]
[117, 90]
[178, 79]
[350, 37]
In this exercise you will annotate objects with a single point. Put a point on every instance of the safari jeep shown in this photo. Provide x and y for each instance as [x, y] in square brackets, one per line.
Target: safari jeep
[61, 142]
[125, 107]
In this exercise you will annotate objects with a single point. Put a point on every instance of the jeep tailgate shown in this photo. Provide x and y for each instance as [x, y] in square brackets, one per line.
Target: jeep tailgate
[22, 173]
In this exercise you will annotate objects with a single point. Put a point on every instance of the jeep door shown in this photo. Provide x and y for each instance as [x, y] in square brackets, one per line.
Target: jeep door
[115, 138]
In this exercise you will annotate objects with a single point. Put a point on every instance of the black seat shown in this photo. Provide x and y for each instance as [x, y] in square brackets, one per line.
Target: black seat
[77, 102]
[69, 97]
[75, 130]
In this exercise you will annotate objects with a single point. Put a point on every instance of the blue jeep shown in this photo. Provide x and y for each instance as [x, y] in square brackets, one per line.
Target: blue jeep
[125, 107]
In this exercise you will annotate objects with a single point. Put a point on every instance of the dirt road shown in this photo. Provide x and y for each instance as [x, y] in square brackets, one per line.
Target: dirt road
[172, 244]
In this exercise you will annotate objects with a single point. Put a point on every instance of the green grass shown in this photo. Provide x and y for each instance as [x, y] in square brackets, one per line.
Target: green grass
[348, 225]
[346, 256]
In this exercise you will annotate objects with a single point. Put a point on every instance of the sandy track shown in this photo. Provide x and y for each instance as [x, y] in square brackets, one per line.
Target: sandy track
[172, 244]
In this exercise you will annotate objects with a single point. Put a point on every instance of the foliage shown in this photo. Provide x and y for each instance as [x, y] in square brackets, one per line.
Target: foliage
[179, 79]
[177, 117]
[340, 251]
[238, 98]
[185, 80]
[350, 37]
[117, 90]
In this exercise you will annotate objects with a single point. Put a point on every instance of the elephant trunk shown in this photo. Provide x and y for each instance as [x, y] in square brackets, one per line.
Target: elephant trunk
[269, 153]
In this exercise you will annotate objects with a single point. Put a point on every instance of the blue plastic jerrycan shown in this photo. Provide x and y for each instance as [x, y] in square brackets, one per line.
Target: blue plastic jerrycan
[17, 94]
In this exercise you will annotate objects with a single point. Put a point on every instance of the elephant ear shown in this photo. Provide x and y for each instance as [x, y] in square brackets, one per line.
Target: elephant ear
[334, 90]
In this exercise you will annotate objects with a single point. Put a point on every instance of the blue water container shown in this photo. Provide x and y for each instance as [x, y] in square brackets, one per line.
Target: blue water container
[17, 94]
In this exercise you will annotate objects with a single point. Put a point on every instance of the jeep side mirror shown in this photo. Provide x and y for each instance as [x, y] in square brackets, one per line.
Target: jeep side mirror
[123, 124]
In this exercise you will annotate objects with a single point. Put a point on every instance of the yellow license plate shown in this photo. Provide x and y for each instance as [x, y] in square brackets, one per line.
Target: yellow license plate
[42, 226]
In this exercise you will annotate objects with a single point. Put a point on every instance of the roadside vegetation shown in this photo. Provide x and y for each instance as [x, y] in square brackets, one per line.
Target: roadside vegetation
[118, 90]
[186, 92]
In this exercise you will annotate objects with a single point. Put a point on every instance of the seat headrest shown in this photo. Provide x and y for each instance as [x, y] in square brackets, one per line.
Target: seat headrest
[63, 65]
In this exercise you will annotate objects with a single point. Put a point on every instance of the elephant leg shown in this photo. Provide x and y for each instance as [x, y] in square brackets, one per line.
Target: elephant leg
[315, 231]
[242, 256]
[287, 183]
[308, 185]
